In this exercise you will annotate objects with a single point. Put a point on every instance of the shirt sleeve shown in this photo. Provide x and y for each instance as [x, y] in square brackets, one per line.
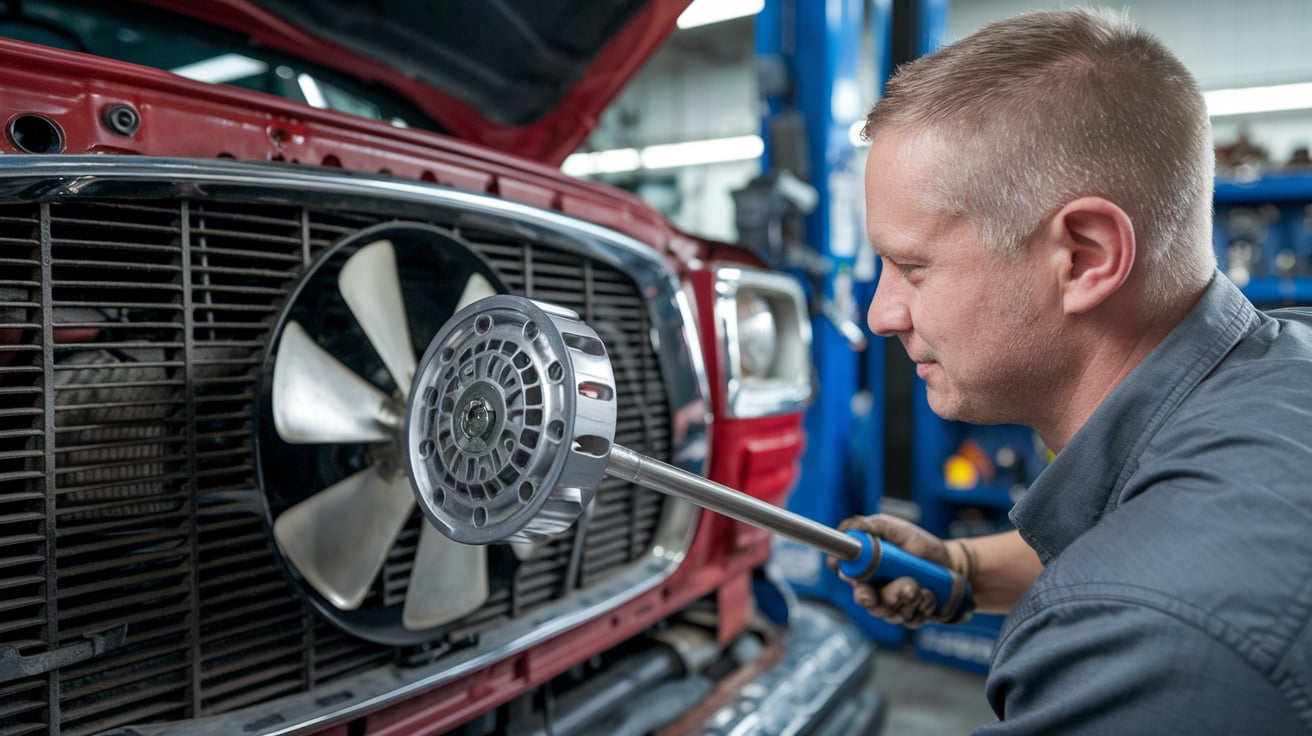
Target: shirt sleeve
[1108, 665]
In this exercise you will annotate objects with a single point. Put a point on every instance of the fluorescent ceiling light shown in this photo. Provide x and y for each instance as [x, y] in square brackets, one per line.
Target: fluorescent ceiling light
[1249, 100]
[705, 12]
[221, 69]
[614, 161]
[692, 153]
[665, 156]
[310, 88]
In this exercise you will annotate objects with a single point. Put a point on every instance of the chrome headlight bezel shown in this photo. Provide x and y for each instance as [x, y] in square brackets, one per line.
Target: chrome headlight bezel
[784, 386]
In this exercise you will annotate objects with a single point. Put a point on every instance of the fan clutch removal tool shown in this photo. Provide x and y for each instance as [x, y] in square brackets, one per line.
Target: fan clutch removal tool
[510, 428]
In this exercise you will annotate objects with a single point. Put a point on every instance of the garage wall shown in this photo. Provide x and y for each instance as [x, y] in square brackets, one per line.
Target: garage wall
[1224, 43]
[702, 85]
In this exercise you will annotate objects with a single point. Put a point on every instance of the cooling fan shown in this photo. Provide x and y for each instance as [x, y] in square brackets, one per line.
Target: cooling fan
[338, 376]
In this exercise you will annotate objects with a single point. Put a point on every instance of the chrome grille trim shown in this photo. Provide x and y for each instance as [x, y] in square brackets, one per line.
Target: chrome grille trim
[674, 338]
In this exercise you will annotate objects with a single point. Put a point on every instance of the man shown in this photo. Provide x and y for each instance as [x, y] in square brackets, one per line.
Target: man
[1039, 195]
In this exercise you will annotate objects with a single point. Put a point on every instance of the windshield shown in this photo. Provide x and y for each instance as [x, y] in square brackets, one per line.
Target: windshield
[194, 50]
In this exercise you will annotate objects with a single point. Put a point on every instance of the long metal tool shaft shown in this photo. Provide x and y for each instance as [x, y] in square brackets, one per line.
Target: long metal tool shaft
[658, 476]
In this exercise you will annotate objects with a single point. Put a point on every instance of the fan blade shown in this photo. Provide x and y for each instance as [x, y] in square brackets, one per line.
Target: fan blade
[449, 580]
[339, 538]
[372, 289]
[316, 399]
[476, 288]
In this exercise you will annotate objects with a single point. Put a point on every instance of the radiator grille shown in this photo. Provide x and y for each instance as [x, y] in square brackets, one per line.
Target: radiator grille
[137, 580]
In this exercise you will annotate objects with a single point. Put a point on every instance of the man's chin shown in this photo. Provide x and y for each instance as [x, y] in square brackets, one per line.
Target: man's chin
[953, 409]
[943, 407]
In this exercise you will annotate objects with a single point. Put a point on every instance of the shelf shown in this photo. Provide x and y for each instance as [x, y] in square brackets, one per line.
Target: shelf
[1266, 290]
[1274, 187]
[987, 496]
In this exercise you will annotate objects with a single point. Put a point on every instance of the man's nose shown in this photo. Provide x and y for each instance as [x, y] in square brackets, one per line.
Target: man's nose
[888, 313]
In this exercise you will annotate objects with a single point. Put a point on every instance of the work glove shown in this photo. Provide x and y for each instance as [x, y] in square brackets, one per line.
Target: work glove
[903, 601]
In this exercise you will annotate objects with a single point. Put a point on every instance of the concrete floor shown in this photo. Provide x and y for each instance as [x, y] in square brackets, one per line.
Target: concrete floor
[928, 699]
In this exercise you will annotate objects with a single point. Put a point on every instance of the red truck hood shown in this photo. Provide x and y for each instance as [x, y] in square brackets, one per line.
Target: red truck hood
[524, 76]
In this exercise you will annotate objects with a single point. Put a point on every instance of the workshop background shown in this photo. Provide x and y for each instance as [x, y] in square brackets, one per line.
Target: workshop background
[744, 128]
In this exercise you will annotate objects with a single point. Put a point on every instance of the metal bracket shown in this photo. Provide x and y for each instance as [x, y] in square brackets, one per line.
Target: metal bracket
[14, 666]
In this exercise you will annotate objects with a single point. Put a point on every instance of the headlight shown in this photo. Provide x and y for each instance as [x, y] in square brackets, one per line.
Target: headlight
[758, 343]
[767, 341]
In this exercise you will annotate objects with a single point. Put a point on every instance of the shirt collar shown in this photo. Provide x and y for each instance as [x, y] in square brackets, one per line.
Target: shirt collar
[1081, 483]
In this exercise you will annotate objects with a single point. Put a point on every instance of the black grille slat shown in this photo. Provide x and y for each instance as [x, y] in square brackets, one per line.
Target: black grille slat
[252, 653]
[91, 303]
[112, 461]
[228, 683]
[119, 395]
[251, 589]
[24, 574]
[11, 625]
[20, 412]
[239, 598]
[19, 539]
[75, 583]
[99, 566]
[124, 484]
[96, 613]
[23, 708]
[226, 615]
[245, 273]
[141, 704]
[164, 271]
[95, 245]
[8, 584]
[153, 657]
[137, 344]
[111, 519]
[18, 475]
[241, 236]
[241, 290]
[11, 603]
[337, 655]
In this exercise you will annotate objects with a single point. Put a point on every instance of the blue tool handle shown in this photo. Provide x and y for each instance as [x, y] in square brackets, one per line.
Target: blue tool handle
[882, 562]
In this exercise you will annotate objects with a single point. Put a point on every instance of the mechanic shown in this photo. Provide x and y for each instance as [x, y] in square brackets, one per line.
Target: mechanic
[1039, 195]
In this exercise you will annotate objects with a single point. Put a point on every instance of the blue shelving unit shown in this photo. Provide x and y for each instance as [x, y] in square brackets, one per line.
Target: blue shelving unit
[1006, 459]
[1262, 235]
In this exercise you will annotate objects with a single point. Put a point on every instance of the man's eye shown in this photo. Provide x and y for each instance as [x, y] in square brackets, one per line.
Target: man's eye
[905, 269]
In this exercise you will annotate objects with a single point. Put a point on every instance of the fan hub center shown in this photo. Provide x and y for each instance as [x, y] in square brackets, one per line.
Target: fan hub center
[479, 417]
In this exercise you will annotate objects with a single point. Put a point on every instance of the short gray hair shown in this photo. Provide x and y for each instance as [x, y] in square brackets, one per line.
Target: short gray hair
[1050, 106]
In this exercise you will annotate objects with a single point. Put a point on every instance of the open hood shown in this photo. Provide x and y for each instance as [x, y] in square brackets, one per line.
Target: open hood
[527, 76]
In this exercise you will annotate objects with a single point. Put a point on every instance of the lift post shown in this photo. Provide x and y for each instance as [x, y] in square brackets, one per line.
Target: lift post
[808, 55]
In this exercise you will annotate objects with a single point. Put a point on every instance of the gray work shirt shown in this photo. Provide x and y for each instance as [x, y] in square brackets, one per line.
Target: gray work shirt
[1176, 533]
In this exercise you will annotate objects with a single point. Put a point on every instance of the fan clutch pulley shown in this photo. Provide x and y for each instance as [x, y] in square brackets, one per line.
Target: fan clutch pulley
[510, 421]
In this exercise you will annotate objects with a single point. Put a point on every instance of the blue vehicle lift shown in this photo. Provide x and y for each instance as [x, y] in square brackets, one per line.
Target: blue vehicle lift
[809, 52]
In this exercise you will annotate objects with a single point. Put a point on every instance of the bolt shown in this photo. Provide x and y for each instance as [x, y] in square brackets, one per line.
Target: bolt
[478, 419]
[122, 118]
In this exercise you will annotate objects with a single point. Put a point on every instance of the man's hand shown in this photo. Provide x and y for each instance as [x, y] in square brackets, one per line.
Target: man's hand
[904, 601]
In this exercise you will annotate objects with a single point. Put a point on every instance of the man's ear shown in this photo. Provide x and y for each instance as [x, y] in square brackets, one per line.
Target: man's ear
[1096, 251]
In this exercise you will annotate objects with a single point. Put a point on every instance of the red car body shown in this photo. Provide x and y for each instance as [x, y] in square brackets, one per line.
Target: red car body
[68, 115]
